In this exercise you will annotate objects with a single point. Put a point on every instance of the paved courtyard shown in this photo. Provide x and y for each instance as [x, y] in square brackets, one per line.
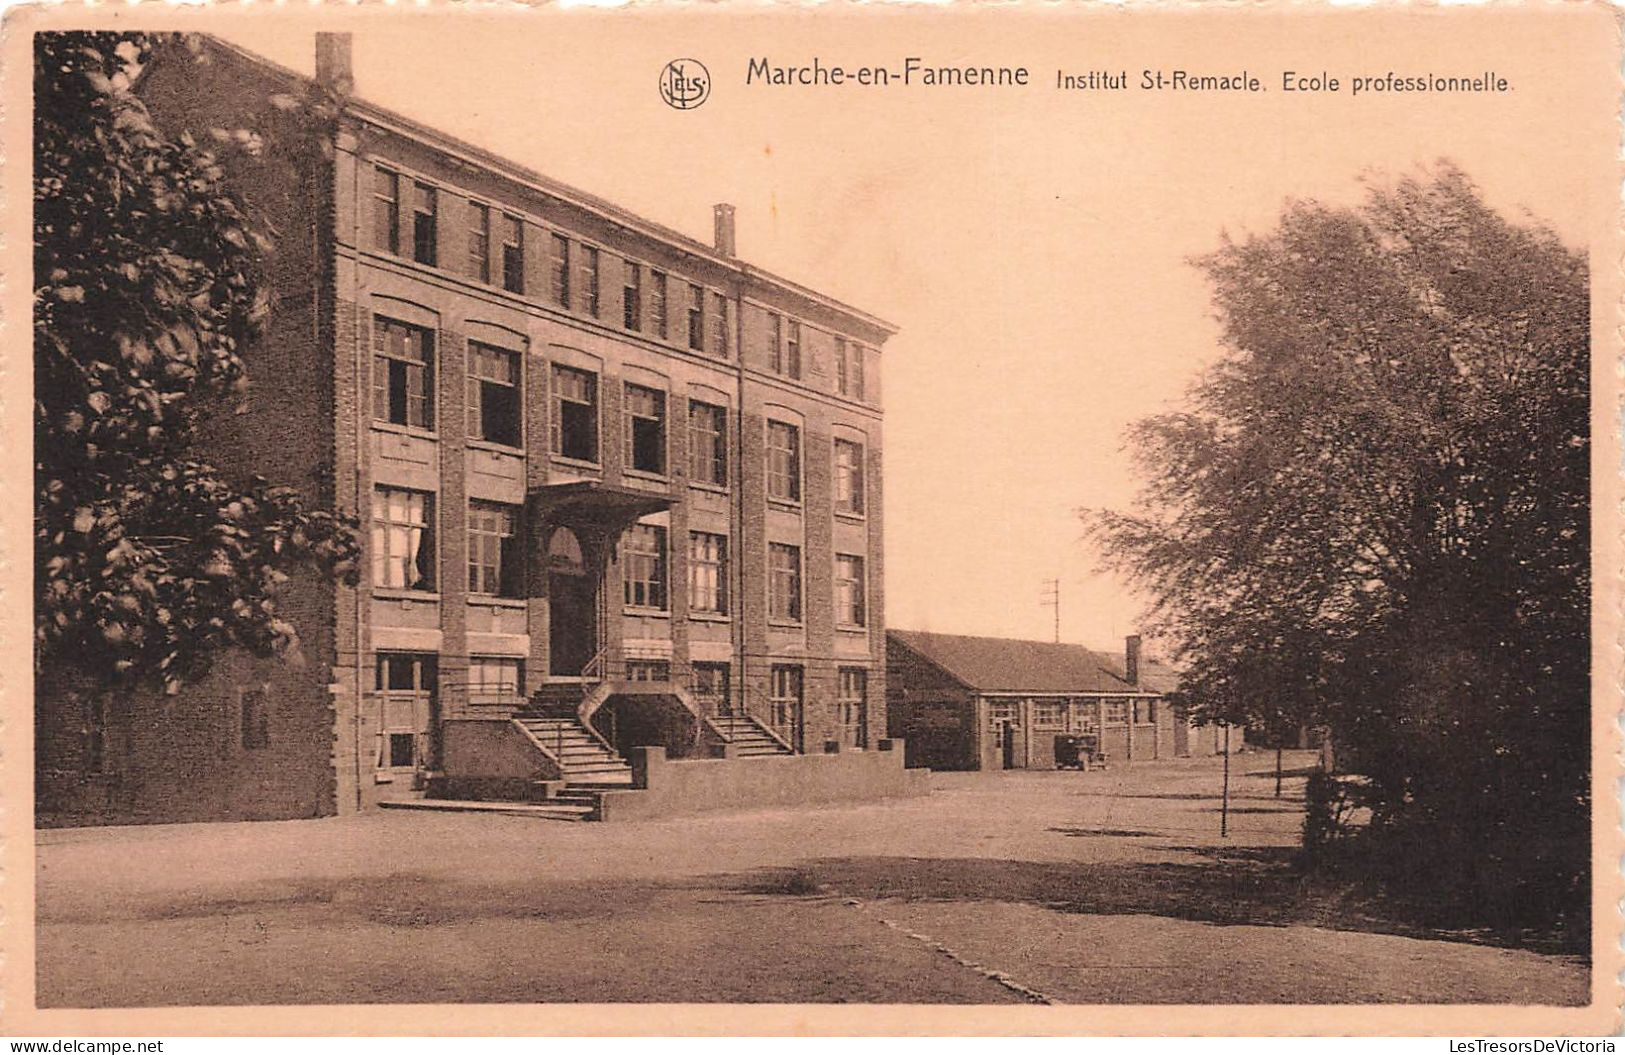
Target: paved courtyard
[1106, 887]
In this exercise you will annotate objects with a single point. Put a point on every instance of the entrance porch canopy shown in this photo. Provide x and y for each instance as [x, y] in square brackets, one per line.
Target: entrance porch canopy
[592, 502]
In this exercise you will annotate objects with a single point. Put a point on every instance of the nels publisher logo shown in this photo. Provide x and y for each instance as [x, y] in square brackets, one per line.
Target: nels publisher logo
[685, 83]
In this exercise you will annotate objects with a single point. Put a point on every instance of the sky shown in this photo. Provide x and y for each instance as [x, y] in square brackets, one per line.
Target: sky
[1032, 245]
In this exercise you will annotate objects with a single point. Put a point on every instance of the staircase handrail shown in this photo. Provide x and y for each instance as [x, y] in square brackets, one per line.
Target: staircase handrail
[717, 730]
[536, 741]
[588, 706]
[594, 669]
[767, 728]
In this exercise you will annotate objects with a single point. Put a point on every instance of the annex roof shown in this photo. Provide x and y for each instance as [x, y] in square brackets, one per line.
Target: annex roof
[998, 664]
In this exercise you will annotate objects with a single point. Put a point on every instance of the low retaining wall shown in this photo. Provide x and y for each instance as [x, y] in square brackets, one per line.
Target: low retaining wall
[664, 787]
[485, 759]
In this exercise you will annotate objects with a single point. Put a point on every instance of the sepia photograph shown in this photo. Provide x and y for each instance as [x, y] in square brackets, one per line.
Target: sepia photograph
[870, 521]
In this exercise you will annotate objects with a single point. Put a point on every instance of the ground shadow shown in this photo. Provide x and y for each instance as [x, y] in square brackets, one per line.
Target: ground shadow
[1118, 833]
[1228, 886]
[1285, 808]
[1197, 796]
[397, 899]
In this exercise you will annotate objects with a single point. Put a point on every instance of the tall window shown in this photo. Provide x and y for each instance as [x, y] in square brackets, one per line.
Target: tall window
[386, 211]
[850, 609]
[643, 556]
[494, 568]
[657, 303]
[707, 443]
[848, 368]
[696, 318]
[708, 573]
[792, 348]
[513, 254]
[256, 720]
[783, 461]
[775, 342]
[784, 582]
[709, 687]
[784, 703]
[423, 224]
[493, 394]
[852, 700]
[632, 296]
[402, 373]
[646, 428]
[402, 539]
[719, 325]
[479, 241]
[848, 477]
[406, 684]
[574, 427]
[589, 280]
[495, 680]
[559, 267]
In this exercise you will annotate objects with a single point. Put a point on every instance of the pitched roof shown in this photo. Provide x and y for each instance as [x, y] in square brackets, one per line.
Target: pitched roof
[997, 664]
[382, 116]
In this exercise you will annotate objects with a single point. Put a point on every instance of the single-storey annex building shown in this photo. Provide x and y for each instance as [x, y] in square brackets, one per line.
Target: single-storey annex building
[963, 702]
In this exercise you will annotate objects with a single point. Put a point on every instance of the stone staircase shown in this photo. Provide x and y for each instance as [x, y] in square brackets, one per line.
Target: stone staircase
[749, 737]
[584, 758]
[590, 765]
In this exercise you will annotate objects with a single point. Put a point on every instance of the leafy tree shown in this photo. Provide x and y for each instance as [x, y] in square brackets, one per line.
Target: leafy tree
[149, 288]
[1374, 512]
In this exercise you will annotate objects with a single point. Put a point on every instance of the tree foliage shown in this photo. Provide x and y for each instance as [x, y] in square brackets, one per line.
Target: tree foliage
[1374, 513]
[149, 289]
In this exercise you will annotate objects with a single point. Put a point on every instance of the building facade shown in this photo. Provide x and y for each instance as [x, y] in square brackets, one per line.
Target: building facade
[618, 487]
[961, 702]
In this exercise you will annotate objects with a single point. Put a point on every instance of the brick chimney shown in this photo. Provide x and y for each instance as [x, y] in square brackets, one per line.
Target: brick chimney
[724, 214]
[333, 69]
[1131, 658]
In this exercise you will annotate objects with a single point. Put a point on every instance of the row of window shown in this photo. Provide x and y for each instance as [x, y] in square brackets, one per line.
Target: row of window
[403, 383]
[786, 704]
[575, 279]
[424, 247]
[1054, 713]
[784, 356]
[576, 284]
[403, 558]
[644, 564]
[710, 685]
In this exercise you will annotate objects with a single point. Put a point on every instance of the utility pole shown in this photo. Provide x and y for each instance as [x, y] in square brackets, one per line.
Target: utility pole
[1052, 597]
[1224, 808]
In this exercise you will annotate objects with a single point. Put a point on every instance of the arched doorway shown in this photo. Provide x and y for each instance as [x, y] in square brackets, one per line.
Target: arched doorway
[572, 631]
